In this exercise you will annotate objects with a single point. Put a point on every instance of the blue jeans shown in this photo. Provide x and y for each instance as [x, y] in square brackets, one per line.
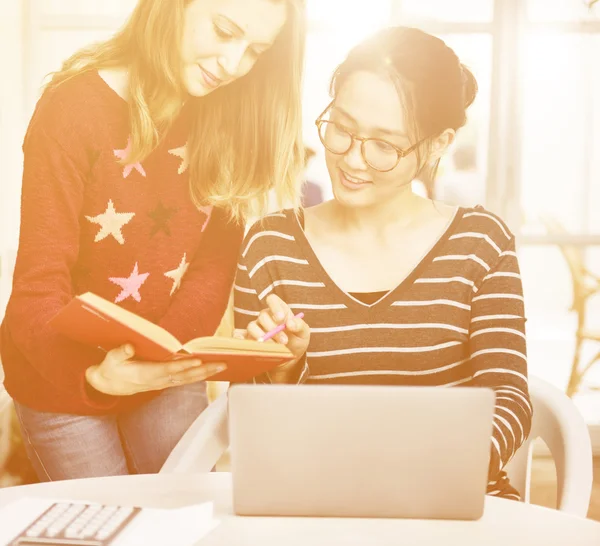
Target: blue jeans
[63, 447]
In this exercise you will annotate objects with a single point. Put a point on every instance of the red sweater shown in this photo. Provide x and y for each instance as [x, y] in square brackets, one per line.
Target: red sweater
[131, 234]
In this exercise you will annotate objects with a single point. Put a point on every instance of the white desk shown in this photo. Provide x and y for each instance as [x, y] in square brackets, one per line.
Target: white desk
[504, 522]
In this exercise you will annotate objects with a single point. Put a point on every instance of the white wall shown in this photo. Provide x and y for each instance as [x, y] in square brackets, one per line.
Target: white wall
[35, 37]
[12, 121]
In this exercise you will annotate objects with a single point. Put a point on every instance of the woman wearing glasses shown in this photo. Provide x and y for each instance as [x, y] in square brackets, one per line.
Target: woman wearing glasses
[395, 289]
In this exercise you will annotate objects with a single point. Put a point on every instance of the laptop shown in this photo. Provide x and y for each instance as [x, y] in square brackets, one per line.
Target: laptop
[360, 451]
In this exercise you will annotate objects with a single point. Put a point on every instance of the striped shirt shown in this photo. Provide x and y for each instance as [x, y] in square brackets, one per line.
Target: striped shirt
[457, 319]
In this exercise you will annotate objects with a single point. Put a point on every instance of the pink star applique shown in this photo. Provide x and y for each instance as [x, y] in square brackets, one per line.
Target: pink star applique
[208, 211]
[130, 285]
[122, 155]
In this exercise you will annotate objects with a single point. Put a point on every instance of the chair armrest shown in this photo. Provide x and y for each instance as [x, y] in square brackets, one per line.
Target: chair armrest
[6, 409]
[558, 422]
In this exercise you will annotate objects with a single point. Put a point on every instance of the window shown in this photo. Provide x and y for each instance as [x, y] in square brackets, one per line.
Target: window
[558, 77]
[444, 10]
[556, 183]
[559, 117]
[463, 174]
[89, 8]
[52, 47]
[61, 27]
[333, 29]
[39, 35]
[561, 10]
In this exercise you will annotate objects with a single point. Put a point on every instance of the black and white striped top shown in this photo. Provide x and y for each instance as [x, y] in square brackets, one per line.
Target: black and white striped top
[457, 319]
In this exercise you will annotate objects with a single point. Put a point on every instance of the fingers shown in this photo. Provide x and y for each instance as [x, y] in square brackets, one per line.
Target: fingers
[158, 375]
[276, 313]
[266, 322]
[280, 311]
[195, 374]
[178, 366]
[120, 354]
[162, 380]
[123, 376]
[298, 327]
[278, 308]
[254, 331]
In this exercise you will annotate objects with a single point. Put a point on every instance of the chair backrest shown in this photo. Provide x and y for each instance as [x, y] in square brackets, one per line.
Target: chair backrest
[559, 424]
[204, 442]
[6, 426]
[215, 388]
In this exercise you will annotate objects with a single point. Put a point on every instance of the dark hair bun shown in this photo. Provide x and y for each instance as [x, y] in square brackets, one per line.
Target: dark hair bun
[422, 65]
[470, 86]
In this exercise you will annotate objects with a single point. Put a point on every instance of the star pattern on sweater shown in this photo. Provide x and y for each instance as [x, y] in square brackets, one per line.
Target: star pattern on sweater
[208, 209]
[130, 285]
[177, 274]
[122, 155]
[161, 216]
[182, 154]
[111, 222]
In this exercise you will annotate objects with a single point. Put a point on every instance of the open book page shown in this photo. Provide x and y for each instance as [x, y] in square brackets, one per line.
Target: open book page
[219, 344]
[97, 322]
[131, 320]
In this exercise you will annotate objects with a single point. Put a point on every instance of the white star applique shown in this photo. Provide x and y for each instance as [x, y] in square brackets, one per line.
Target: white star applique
[182, 154]
[177, 274]
[111, 222]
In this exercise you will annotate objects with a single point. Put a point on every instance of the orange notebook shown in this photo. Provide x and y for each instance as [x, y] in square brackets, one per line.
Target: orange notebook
[92, 320]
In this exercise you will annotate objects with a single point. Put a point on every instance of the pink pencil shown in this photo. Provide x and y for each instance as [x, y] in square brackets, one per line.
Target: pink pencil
[279, 328]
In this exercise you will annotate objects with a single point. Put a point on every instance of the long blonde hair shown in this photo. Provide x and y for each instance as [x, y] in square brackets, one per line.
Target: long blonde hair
[245, 138]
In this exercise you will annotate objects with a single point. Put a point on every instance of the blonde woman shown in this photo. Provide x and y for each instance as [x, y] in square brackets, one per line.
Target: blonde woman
[143, 157]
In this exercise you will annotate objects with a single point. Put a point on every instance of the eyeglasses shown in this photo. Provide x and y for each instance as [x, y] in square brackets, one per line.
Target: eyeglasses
[380, 155]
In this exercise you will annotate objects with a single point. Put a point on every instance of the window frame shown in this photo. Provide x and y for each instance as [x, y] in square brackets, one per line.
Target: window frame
[508, 28]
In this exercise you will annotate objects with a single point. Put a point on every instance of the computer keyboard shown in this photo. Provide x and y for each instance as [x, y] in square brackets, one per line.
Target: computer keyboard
[77, 524]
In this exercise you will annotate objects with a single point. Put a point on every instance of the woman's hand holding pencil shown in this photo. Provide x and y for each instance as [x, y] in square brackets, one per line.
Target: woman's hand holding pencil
[278, 322]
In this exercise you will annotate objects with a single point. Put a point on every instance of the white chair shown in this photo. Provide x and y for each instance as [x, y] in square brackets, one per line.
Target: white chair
[556, 421]
[5, 427]
[203, 444]
[559, 424]
[201, 447]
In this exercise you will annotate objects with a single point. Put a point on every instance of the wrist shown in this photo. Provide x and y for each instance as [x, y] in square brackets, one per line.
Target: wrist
[291, 363]
[283, 373]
